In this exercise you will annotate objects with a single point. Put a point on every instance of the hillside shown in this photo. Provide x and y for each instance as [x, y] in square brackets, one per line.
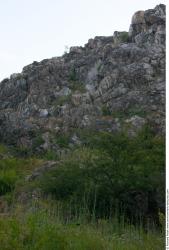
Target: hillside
[109, 84]
[82, 153]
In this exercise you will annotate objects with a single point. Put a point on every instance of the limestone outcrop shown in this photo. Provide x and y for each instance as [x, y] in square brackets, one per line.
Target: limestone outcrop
[112, 83]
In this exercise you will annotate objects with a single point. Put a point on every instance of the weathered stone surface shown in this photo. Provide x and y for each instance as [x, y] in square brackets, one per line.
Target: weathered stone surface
[148, 26]
[124, 72]
[42, 169]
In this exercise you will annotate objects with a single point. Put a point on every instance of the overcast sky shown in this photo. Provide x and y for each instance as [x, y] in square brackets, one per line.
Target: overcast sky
[32, 30]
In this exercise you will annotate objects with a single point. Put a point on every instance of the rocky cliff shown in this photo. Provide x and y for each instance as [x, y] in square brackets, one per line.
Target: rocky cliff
[112, 83]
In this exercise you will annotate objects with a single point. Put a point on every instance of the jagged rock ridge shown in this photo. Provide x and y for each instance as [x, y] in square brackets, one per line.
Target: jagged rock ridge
[112, 83]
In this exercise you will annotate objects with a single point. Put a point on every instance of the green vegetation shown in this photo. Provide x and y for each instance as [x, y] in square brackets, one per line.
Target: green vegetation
[106, 111]
[124, 36]
[107, 194]
[73, 75]
[131, 111]
[62, 100]
[113, 173]
[40, 230]
[38, 141]
[3, 149]
[50, 155]
[63, 140]
[75, 84]
[12, 171]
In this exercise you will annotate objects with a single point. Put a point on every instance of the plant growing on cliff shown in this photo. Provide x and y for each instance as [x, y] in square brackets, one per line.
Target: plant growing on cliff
[75, 84]
[61, 100]
[106, 111]
[124, 36]
[73, 75]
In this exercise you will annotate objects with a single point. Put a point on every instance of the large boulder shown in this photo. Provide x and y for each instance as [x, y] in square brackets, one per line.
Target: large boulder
[148, 26]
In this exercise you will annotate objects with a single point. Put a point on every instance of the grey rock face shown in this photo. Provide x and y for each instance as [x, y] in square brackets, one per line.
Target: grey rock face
[148, 26]
[109, 82]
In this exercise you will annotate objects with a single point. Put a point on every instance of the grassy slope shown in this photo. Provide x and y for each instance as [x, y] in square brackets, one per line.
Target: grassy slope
[51, 223]
[41, 231]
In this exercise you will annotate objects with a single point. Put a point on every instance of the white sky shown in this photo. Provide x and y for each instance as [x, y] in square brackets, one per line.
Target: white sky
[32, 30]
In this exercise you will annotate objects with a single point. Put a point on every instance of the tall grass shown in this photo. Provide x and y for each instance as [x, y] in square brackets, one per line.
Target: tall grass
[97, 198]
[44, 229]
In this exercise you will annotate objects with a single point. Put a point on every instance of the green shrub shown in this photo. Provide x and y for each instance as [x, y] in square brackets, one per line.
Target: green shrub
[73, 75]
[12, 170]
[63, 140]
[3, 149]
[7, 181]
[22, 151]
[132, 111]
[8, 175]
[113, 172]
[124, 36]
[75, 84]
[38, 141]
[106, 111]
[62, 100]
[50, 155]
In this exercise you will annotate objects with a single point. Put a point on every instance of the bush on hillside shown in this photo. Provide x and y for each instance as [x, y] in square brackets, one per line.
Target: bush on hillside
[113, 172]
